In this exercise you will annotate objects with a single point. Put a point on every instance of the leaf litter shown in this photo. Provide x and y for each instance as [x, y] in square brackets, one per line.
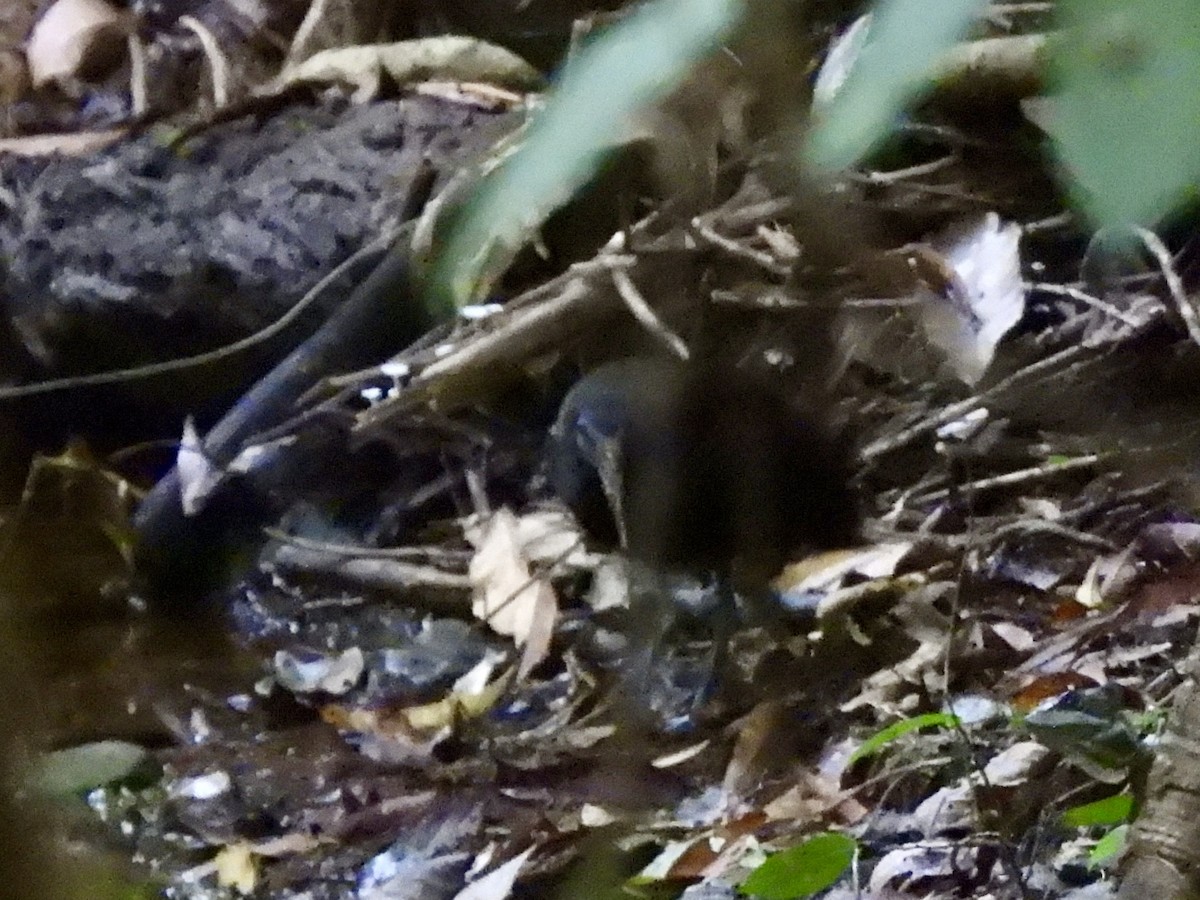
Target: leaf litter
[1025, 552]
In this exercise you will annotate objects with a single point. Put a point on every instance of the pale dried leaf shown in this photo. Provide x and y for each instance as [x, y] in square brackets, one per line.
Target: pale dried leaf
[507, 595]
[839, 61]
[535, 644]
[237, 868]
[812, 799]
[77, 144]
[1014, 635]
[926, 862]
[550, 537]
[198, 477]
[386, 736]
[825, 571]
[303, 672]
[680, 756]
[498, 883]
[289, 844]
[71, 36]
[1108, 578]
[985, 296]
[593, 816]
[610, 585]
[659, 868]
[1017, 764]
[892, 692]
[446, 58]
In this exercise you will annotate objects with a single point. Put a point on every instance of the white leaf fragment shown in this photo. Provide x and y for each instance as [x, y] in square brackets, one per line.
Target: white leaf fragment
[983, 298]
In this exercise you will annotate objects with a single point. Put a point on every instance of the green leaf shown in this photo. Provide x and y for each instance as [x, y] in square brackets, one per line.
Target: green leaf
[1126, 115]
[803, 870]
[880, 739]
[901, 50]
[74, 770]
[634, 64]
[1108, 848]
[1114, 810]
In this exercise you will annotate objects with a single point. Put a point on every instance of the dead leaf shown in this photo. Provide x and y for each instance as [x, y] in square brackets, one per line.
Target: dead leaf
[843, 52]
[71, 539]
[388, 735]
[671, 760]
[305, 672]
[815, 798]
[542, 618]
[760, 735]
[474, 693]
[508, 597]
[824, 571]
[661, 867]
[237, 868]
[408, 735]
[76, 39]
[895, 690]
[1109, 579]
[1014, 635]
[1046, 686]
[468, 93]
[1018, 764]
[927, 868]
[446, 58]
[594, 816]
[983, 297]
[76, 144]
[968, 293]
[498, 883]
[198, 477]
[551, 537]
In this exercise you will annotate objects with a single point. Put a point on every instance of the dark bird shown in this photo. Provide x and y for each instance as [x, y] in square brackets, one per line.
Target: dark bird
[703, 470]
[699, 467]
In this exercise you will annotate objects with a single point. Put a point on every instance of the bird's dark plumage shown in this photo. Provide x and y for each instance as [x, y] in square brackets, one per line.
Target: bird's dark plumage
[709, 468]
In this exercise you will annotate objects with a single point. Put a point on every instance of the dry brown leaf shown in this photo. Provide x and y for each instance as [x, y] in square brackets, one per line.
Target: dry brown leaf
[815, 798]
[760, 734]
[824, 571]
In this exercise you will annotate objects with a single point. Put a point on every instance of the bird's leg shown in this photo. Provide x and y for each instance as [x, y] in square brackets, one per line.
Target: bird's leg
[665, 681]
[725, 621]
[651, 617]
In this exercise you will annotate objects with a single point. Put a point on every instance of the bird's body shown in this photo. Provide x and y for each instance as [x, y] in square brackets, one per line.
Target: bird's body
[704, 467]
[698, 469]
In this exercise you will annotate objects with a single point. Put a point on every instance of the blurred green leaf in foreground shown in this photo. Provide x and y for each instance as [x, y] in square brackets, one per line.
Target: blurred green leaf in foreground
[903, 41]
[803, 870]
[631, 66]
[1126, 114]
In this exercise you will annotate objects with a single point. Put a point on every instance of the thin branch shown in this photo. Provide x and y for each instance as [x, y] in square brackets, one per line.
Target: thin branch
[645, 314]
[116, 376]
[1008, 479]
[1162, 256]
[1067, 290]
